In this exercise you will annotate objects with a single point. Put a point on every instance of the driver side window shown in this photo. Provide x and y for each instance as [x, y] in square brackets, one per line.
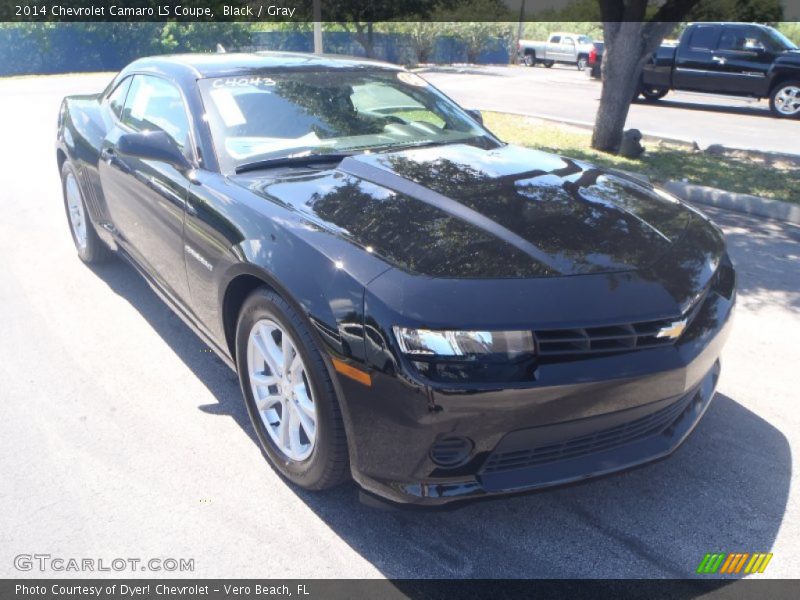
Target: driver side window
[740, 40]
[154, 104]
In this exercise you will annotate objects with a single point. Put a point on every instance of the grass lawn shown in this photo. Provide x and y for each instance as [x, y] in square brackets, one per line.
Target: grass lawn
[768, 177]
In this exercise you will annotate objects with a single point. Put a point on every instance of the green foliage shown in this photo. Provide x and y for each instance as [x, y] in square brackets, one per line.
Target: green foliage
[791, 30]
[422, 36]
[203, 37]
[757, 11]
[476, 36]
[541, 31]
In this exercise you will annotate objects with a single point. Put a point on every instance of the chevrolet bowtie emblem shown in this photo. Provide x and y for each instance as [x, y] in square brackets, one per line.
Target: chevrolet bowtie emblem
[672, 331]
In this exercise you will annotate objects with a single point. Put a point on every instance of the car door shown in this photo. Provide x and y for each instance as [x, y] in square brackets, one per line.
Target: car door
[744, 58]
[553, 48]
[568, 51]
[146, 199]
[695, 68]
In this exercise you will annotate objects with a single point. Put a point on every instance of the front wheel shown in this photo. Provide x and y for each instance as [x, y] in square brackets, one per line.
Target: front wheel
[90, 247]
[653, 94]
[289, 394]
[582, 62]
[784, 101]
[549, 63]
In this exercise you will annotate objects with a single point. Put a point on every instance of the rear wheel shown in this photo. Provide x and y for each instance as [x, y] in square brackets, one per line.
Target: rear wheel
[652, 94]
[288, 393]
[90, 247]
[529, 59]
[784, 101]
[582, 62]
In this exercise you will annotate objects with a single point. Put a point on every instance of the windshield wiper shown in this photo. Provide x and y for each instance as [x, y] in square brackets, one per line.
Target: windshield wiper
[292, 161]
[410, 145]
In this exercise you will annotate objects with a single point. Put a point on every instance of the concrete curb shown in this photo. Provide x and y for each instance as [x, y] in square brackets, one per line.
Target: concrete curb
[742, 203]
[650, 136]
[589, 126]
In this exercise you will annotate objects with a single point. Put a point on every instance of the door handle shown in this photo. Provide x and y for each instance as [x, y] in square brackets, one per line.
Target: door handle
[719, 59]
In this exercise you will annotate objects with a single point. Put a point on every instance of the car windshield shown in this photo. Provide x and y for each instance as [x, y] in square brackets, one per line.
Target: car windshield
[263, 116]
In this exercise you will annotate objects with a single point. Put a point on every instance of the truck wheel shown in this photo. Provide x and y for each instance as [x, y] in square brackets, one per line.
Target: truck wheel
[529, 59]
[784, 101]
[582, 62]
[549, 63]
[653, 94]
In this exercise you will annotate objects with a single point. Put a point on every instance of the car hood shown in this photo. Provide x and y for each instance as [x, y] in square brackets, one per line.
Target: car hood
[789, 57]
[459, 211]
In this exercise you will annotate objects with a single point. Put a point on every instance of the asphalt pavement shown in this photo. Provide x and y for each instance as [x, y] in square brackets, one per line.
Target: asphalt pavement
[121, 435]
[564, 93]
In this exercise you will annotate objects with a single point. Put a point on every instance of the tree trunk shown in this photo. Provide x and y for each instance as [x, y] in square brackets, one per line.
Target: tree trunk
[629, 41]
[369, 47]
[622, 65]
[364, 36]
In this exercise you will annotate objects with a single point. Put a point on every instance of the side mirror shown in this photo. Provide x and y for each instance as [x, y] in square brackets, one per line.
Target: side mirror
[153, 145]
[475, 114]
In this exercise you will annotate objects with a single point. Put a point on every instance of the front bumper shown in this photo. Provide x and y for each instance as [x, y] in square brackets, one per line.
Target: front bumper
[578, 420]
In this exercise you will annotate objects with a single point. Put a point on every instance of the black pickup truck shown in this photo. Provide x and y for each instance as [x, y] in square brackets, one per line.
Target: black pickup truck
[737, 59]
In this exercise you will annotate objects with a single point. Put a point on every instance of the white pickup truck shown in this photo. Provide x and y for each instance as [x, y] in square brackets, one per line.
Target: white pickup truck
[571, 48]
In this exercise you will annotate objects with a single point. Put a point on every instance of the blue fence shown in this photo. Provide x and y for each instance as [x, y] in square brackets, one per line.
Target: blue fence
[395, 48]
[68, 48]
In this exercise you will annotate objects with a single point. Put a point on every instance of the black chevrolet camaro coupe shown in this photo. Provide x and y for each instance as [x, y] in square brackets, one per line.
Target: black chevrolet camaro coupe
[407, 300]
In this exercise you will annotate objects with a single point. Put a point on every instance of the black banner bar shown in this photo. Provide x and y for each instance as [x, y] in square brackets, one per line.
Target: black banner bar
[372, 11]
[422, 589]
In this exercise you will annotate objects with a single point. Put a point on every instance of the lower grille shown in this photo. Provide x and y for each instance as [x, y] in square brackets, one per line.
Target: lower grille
[599, 441]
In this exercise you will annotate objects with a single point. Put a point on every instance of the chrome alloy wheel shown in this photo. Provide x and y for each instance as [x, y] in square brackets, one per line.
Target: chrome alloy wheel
[77, 217]
[281, 390]
[787, 100]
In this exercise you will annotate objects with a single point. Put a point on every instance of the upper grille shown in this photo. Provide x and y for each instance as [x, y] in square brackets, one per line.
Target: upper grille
[593, 340]
[599, 441]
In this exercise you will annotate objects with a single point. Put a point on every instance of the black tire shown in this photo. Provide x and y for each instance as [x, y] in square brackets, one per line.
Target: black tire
[549, 63]
[94, 250]
[582, 62]
[773, 102]
[652, 94]
[328, 464]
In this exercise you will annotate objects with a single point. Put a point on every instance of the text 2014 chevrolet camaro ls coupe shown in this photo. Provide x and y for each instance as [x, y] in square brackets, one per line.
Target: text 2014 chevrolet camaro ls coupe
[407, 300]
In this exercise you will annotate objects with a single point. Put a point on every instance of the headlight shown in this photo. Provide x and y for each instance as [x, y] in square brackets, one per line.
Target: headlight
[424, 343]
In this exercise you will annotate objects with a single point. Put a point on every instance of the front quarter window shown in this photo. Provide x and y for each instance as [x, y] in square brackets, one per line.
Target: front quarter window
[116, 99]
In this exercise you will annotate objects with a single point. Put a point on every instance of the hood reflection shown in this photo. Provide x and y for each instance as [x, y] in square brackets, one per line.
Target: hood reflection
[464, 212]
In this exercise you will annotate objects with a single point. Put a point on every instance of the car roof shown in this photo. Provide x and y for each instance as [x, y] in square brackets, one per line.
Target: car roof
[232, 64]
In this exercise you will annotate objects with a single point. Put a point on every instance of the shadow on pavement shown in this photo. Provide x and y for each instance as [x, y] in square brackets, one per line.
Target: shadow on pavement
[724, 490]
[765, 254]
